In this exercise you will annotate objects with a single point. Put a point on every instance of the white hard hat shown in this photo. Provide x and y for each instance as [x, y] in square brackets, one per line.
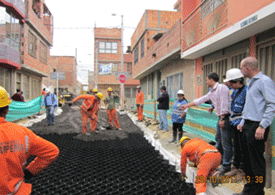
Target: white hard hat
[180, 92]
[47, 90]
[233, 74]
[138, 87]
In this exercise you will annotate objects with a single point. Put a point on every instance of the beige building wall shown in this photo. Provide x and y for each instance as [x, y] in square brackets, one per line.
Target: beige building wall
[187, 67]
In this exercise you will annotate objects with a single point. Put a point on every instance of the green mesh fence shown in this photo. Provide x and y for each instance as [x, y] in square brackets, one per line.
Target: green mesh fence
[18, 110]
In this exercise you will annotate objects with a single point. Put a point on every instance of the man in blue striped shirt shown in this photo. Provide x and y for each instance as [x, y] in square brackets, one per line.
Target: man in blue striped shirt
[50, 102]
[258, 113]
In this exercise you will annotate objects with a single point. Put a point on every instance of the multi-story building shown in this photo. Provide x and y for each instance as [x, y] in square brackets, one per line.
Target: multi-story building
[156, 48]
[37, 37]
[12, 18]
[218, 34]
[108, 63]
[67, 65]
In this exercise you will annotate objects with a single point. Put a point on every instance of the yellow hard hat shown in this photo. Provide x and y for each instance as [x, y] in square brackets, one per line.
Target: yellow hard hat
[100, 95]
[95, 90]
[110, 89]
[183, 138]
[4, 98]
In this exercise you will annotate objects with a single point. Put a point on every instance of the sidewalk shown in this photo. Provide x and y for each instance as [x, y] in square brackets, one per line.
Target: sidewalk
[149, 126]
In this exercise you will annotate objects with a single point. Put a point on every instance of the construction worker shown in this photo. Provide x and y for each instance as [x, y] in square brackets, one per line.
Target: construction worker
[95, 91]
[111, 110]
[139, 103]
[205, 156]
[89, 108]
[17, 144]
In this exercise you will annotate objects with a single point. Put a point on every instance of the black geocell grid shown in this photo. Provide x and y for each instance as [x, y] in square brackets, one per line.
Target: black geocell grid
[120, 166]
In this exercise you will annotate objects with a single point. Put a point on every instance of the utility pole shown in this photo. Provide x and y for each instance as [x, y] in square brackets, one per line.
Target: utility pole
[96, 64]
[122, 66]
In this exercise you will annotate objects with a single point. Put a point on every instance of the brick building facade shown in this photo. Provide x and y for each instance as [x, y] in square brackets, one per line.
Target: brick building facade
[156, 49]
[12, 19]
[27, 34]
[108, 62]
[67, 65]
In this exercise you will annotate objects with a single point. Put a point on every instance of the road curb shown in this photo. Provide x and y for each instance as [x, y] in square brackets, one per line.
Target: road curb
[174, 159]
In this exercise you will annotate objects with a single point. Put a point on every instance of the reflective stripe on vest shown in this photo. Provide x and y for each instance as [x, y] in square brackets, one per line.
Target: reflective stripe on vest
[177, 112]
[17, 186]
[27, 143]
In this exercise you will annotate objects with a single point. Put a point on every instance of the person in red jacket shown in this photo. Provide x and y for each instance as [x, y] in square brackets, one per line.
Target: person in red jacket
[89, 110]
[17, 144]
[139, 103]
[205, 156]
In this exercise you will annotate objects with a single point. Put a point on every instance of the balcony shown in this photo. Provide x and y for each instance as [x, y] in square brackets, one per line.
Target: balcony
[207, 19]
[165, 50]
[19, 4]
[40, 19]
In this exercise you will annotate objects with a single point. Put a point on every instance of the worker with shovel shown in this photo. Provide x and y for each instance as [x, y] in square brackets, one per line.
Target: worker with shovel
[89, 108]
[205, 156]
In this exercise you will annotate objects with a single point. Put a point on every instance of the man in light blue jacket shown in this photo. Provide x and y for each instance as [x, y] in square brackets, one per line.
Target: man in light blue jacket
[50, 102]
[258, 113]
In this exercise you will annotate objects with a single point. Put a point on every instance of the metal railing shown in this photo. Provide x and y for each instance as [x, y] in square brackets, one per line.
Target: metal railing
[209, 17]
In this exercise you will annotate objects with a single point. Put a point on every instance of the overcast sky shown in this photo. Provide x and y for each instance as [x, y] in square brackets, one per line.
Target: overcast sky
[83, 14]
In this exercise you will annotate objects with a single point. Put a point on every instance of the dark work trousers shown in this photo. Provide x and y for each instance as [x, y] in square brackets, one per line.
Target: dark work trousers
[224, 143]
[254, 161]
[237, 145]
[177, 127]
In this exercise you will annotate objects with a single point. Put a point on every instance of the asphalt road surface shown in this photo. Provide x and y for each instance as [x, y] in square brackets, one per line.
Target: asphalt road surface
[107, 162]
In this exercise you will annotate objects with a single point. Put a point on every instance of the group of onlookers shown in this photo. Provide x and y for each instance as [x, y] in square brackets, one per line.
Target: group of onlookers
[245, 114]
[245, 117]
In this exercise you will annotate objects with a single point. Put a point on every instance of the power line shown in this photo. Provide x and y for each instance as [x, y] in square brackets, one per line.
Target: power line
[88, 28]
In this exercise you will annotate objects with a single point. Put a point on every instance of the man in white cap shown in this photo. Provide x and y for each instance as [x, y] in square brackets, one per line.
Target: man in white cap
[50, 103]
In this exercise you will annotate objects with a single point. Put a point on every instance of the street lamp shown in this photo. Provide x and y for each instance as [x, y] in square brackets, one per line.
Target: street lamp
[122, 64]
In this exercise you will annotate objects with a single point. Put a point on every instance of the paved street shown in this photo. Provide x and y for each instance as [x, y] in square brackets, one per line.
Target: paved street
[108, 162]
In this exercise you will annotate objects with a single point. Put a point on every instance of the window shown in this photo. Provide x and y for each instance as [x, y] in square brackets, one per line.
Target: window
[108, 47]
[43, 53]
[32, 45]
[142, 49]
[236, 60]
[5, 79]
[208, 68]
[10, 29]
[136, 55]
[174, 84]
[221, 68]
[26, 86]
[266, 56]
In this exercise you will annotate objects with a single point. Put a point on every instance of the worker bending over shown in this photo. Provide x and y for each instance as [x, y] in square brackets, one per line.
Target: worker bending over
[89, 109]
[205, 156]
[17, 144]
[111, 110]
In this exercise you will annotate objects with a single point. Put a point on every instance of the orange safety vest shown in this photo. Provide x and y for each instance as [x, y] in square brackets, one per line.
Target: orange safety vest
[193, 150]
[140, 98]
[17, 144]
[89, 100]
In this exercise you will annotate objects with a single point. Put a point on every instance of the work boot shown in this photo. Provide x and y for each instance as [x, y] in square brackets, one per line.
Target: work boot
[174, 137]
[180, 136]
